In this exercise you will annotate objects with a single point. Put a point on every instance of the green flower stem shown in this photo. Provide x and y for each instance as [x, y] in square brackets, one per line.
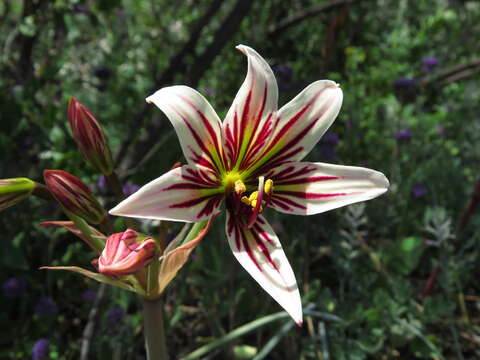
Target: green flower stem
[107, 225]
[82, 225]
[153, 330]
[199, 226]
[114, 184]
[153, 270]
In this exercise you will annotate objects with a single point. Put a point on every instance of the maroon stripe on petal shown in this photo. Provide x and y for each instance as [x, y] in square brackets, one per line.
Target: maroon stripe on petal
[245, 113]
[307, 180]
[184, 186]
[286, 204]
[264, 250]
[205, 123]
[263, 234]
[249, 251]
[189, 203]
[307, 195]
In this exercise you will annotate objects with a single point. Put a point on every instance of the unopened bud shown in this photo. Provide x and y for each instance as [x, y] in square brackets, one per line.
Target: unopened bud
[74, 195]
[125, 253]
[89, 137]
[12, 191]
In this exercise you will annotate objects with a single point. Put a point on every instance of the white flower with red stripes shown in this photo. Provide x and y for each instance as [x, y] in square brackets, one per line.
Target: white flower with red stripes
[253, 161]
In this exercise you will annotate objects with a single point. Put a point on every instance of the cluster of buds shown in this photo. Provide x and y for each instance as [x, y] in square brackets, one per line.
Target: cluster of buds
[127, 259]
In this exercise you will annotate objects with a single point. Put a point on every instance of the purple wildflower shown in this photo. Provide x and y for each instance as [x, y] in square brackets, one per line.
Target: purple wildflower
[328, 152]
[14, 287]
[441, 130]
[283, 72]
[330, 138]
[419, 190]
[115, 315]
[406, 90]
[208, 91]
[102, 183]
[46, 306]
[129, 189]
[89, 295]
[328, 145]
[403, 136]
[429, 63]
[40, 349]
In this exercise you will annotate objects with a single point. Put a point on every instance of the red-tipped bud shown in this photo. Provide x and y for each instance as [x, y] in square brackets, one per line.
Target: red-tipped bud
[89, 137]
[12, 191]
[74, 195]
[125, 253]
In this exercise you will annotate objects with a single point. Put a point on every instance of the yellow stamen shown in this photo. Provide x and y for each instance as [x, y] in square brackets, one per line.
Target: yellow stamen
[245, 200]
[253, 196]
[268, 188]
[240, 187]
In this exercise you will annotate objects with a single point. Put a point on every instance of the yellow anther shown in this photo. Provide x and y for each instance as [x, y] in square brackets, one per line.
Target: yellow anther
[245, 200]
[268, 187]
[253, 204]
[253, 196]
[240, 187]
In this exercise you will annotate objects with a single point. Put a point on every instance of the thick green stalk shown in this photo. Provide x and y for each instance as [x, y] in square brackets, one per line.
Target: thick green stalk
[154, 332]
[199, 226]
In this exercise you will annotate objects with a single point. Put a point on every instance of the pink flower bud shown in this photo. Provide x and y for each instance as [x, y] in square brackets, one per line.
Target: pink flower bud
[125, 253]
[74, 195]
[89, 137]
[12, 191]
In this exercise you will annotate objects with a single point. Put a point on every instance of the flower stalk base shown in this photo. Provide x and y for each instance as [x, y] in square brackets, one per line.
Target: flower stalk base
[154, 332]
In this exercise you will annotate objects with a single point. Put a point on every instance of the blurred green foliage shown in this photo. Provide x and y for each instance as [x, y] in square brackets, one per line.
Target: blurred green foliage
[399, 274]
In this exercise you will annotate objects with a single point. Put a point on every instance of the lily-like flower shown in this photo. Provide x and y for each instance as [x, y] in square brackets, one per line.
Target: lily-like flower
[253, 161]
[125, 253]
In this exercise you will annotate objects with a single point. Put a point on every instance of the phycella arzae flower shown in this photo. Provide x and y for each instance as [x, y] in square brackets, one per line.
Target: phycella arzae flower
[252, 160]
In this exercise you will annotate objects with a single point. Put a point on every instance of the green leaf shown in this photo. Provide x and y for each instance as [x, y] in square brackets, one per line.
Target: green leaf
[403, 256]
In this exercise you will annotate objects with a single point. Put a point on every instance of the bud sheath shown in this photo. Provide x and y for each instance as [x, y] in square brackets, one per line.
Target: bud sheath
[74, 195]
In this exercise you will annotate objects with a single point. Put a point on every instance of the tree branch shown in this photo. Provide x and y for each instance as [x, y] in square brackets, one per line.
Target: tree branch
[454, 73]
[90, 327]
[305, 14]
[226, 30]
[132, 153]
[177, 62]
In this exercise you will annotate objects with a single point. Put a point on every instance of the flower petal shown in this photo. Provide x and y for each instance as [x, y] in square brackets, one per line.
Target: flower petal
[260, 253]
[300, 124]
[248, 123]
[182, 194]
[197, 125]
[305, 188]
